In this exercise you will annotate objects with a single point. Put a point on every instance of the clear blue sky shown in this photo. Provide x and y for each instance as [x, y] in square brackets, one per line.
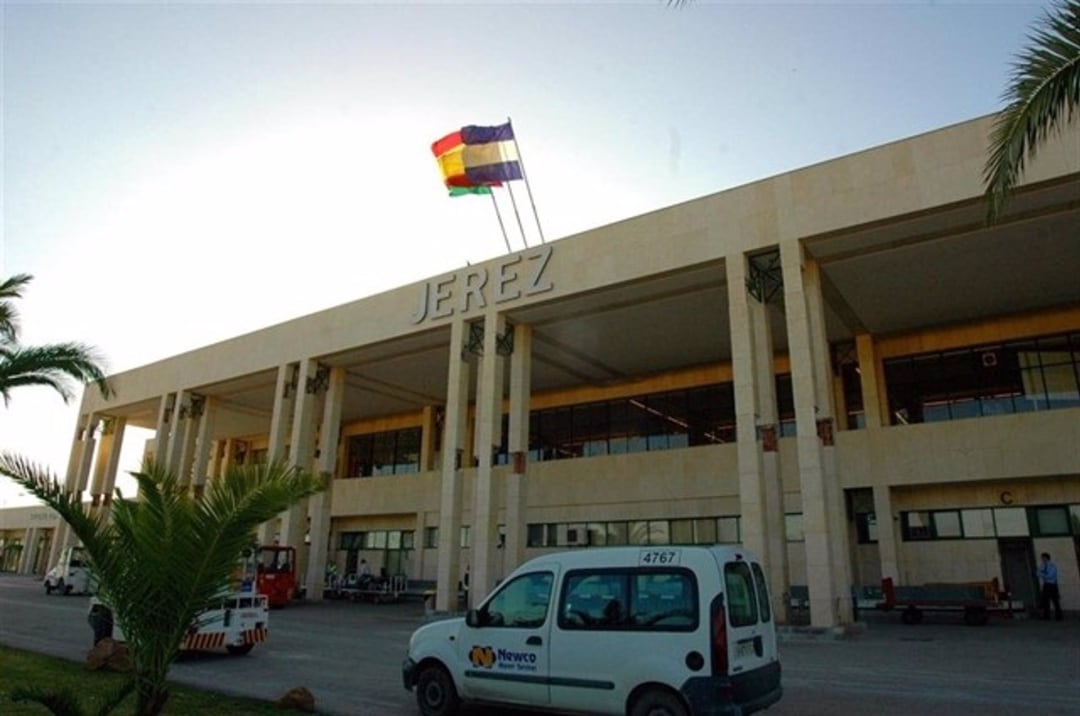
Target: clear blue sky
[176, 174]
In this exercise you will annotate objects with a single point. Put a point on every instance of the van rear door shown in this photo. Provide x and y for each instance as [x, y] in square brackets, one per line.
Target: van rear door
[751, 637]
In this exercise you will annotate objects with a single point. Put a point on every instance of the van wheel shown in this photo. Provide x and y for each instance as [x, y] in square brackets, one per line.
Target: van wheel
[239, 649]
[658, 703]
[48, 588]
[911, 615]
[435, 692]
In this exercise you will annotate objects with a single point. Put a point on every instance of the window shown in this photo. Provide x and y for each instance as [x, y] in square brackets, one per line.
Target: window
[639, 599]
[1050, 521]
[431, 537]
[393, 452]
[866, 527]
[793, 527]
[990, 379]
[1011, 522]
[521, 603]
[727, 530]
[917, 526]
[977, 523]
[947, 524]
[762, 592]
[465, 538]
[741, 599]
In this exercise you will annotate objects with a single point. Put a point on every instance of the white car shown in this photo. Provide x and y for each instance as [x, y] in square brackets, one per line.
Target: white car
[71, 575]
[642, 631]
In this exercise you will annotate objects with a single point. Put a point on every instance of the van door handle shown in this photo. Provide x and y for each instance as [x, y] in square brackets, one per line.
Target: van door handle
[534, 641]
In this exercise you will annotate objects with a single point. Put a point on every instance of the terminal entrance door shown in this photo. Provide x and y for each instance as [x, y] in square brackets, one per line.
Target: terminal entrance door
[1018, 570]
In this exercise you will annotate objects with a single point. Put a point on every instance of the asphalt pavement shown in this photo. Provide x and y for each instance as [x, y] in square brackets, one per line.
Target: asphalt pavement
[349, 655]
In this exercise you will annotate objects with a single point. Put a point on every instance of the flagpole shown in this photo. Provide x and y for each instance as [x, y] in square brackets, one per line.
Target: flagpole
[528, 188]
[513, 201]
[499, 216]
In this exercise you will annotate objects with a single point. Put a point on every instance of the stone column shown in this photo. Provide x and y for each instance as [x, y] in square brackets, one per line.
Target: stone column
[320, 506]
[518, 447]
[174, 451]
[203, 416]
[163, 428]
[112, 469]
[427, 438]
[824, 524]
[302, 450]
[190, 418]
[760, 484]
[453, 448]
[105, 450]
[26, 559]
[280, 419]
[888, 537]
[873, 400]
[485, 534]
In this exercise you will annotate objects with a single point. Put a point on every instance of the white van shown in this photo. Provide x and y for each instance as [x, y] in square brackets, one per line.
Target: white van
[642, 631]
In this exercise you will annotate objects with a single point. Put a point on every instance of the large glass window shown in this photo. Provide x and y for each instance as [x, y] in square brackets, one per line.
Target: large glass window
[649, 422]
[393, 452]
[990, 379]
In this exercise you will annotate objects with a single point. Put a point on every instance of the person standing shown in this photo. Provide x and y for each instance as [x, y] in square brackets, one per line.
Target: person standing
[1050, 594]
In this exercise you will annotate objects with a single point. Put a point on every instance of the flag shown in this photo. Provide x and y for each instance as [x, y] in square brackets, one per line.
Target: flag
[463, 190]
[478, 157]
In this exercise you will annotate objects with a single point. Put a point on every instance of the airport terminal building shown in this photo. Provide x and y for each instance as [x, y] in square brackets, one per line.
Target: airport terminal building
[842, 368]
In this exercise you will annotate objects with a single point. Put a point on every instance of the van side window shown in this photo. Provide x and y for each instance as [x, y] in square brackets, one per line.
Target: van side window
[629, 599]
[741, 600]
[521, 603]
[762, 593]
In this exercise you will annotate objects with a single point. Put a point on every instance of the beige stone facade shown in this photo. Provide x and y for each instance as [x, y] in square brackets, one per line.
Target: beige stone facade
[842, 368]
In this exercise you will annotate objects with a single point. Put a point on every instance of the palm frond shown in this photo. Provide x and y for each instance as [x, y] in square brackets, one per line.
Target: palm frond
[51, 365]
[59, 702]
[9, 316]
[1042, 97]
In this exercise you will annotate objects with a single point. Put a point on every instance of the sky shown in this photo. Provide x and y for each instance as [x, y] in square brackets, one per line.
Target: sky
[175, 174]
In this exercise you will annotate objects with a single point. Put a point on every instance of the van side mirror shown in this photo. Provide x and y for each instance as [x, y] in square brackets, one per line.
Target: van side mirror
[475, 618]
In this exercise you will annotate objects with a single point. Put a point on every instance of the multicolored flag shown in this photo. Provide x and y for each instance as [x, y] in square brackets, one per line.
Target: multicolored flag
[478, 158]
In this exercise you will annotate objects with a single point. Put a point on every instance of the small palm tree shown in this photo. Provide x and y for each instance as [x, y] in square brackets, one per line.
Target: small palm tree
[160, 561]
[1042, 97]
[53, 365]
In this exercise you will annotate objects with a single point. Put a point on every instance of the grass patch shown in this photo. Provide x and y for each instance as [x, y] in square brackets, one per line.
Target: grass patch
[27, 668]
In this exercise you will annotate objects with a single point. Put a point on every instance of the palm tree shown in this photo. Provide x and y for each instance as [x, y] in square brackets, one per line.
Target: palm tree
[162, 560]
[53, 365]
[1042, 97]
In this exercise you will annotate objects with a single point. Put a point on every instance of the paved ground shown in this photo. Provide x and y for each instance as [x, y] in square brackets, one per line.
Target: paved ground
[349, 655]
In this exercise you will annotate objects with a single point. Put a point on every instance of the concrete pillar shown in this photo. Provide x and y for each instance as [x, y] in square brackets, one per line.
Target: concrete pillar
[62, 534]
[873, 399]
[485, 532]
[453, 449]
[174, 451]
[26, 559]
[105, 451]
[301, 450]
[518, 447]
[191, 414]
[888, 537]
[108, 464]
[826, 566]
[280, 420]
[204, 446]
[427, 438]
[320, 506]
[761, 495]
[163, 428]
